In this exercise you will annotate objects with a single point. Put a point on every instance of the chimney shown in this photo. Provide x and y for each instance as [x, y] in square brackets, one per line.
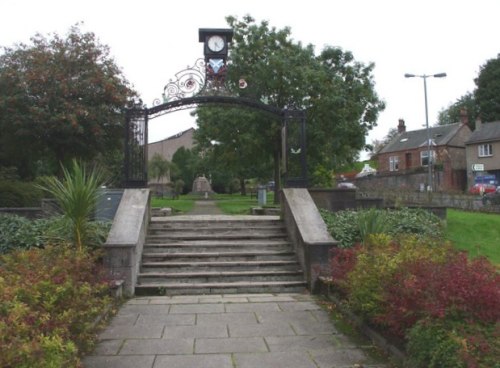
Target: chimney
[464, 119]
[478, 123]
[401, 126]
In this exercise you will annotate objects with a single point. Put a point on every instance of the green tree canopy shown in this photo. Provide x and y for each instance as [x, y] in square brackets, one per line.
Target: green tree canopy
[452, 115]
[336, 91]
[483, 102]
[487, 93]
[60, 98]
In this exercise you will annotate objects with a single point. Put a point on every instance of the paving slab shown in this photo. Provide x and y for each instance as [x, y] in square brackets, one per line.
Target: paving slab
[208, 330]
[274, 360]
[194, 361]
[299, 343]
[143, 361]
[252, 307]
[157, 346]
[225, 331]
[231, 345]
[261, 329]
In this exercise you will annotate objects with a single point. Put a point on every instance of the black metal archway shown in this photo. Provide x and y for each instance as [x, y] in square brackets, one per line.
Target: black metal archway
[136, 136]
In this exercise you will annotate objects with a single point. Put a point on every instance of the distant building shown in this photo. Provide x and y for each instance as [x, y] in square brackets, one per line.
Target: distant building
[404, 160]
[483, 151]
[167, 148]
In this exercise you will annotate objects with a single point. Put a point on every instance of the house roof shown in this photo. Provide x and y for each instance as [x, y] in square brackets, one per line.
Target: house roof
[440, 135]
[486, 133]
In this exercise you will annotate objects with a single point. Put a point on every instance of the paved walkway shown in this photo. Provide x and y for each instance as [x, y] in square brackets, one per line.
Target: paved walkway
[225, 331]
[205, 207]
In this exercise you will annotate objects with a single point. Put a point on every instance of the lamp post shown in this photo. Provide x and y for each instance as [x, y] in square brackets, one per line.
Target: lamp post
[429, 163]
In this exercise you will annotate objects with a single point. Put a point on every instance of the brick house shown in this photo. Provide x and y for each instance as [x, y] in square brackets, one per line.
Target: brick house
[406, 157]
[483, 151]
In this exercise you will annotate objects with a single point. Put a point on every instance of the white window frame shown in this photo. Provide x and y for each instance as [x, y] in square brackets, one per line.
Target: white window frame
[485, 150]
[394, 163]
[425, 155]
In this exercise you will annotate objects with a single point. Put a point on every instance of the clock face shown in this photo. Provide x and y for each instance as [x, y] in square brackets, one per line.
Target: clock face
[215, 43]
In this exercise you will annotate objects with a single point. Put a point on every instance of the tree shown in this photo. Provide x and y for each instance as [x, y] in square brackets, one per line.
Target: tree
[336, 91]
[483, 102]
[187, 163]
[60, 98]
[159, 167]
[451, 114]
[487, 93]
[234, 153]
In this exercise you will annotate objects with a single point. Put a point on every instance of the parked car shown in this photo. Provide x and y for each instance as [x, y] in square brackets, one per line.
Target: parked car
[482, 189]
[493, 197]
[346, 185]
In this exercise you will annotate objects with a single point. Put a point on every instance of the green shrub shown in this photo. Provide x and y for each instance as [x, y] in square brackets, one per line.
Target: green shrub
[19, 232]
[350, 227]
[376, 264]
[434, 346]
[15, 193]
[49, 300]
[447, 343]
[76, 194]
[371, 222]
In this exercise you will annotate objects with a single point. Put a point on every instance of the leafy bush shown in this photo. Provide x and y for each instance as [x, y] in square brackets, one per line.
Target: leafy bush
[49, 299]
[15, 193]
[350, 227]
[19, 232]
[364, 271]
[447, 306]
[76, 195]
[446, 343]
[458, 288]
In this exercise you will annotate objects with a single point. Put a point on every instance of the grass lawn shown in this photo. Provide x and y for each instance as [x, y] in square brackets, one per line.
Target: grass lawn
[230, 204]
[182, 205]
[477, 233]
[236, 204]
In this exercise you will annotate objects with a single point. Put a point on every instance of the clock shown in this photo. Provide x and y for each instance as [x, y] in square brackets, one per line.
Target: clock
[216, 43]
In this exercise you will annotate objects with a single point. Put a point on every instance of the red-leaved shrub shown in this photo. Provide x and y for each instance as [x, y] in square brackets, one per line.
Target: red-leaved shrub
[342, 261]
[458, 288]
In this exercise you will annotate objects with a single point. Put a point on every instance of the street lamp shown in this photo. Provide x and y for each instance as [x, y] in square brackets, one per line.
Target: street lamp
[424, 77]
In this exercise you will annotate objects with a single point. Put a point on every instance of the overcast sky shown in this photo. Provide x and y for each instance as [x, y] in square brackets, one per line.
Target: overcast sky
[152, 40]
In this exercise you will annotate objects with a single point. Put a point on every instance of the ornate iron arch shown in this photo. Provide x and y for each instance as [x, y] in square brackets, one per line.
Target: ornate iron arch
[192, 90]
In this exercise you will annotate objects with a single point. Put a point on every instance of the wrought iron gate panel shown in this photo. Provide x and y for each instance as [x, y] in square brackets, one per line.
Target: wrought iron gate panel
[294, 149]
[136, 145]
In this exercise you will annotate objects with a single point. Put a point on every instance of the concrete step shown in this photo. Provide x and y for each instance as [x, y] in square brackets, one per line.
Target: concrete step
[216, 245]
[216, 226]
[170, 223]
[242, 235]
[203, 257]
[219, 266]
[221, 276]
[167, 288]
[220, 256]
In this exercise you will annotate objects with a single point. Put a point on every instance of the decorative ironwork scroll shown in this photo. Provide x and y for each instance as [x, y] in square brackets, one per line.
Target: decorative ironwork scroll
[188, 83]
[294, 148]
[136, 142]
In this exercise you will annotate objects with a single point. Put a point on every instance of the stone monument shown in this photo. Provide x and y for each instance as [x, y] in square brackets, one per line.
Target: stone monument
[201, 185]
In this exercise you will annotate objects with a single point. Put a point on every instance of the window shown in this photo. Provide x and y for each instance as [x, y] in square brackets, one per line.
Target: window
[424, 157]
[394, 163]
[485, 150]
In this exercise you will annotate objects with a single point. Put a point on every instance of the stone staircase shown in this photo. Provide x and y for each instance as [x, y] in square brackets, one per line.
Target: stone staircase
[221, 256]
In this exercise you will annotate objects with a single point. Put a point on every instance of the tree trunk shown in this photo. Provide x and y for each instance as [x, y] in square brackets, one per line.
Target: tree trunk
[243, 189]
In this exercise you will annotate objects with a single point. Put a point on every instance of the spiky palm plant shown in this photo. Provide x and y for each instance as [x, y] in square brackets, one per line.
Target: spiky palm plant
[76, 194]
